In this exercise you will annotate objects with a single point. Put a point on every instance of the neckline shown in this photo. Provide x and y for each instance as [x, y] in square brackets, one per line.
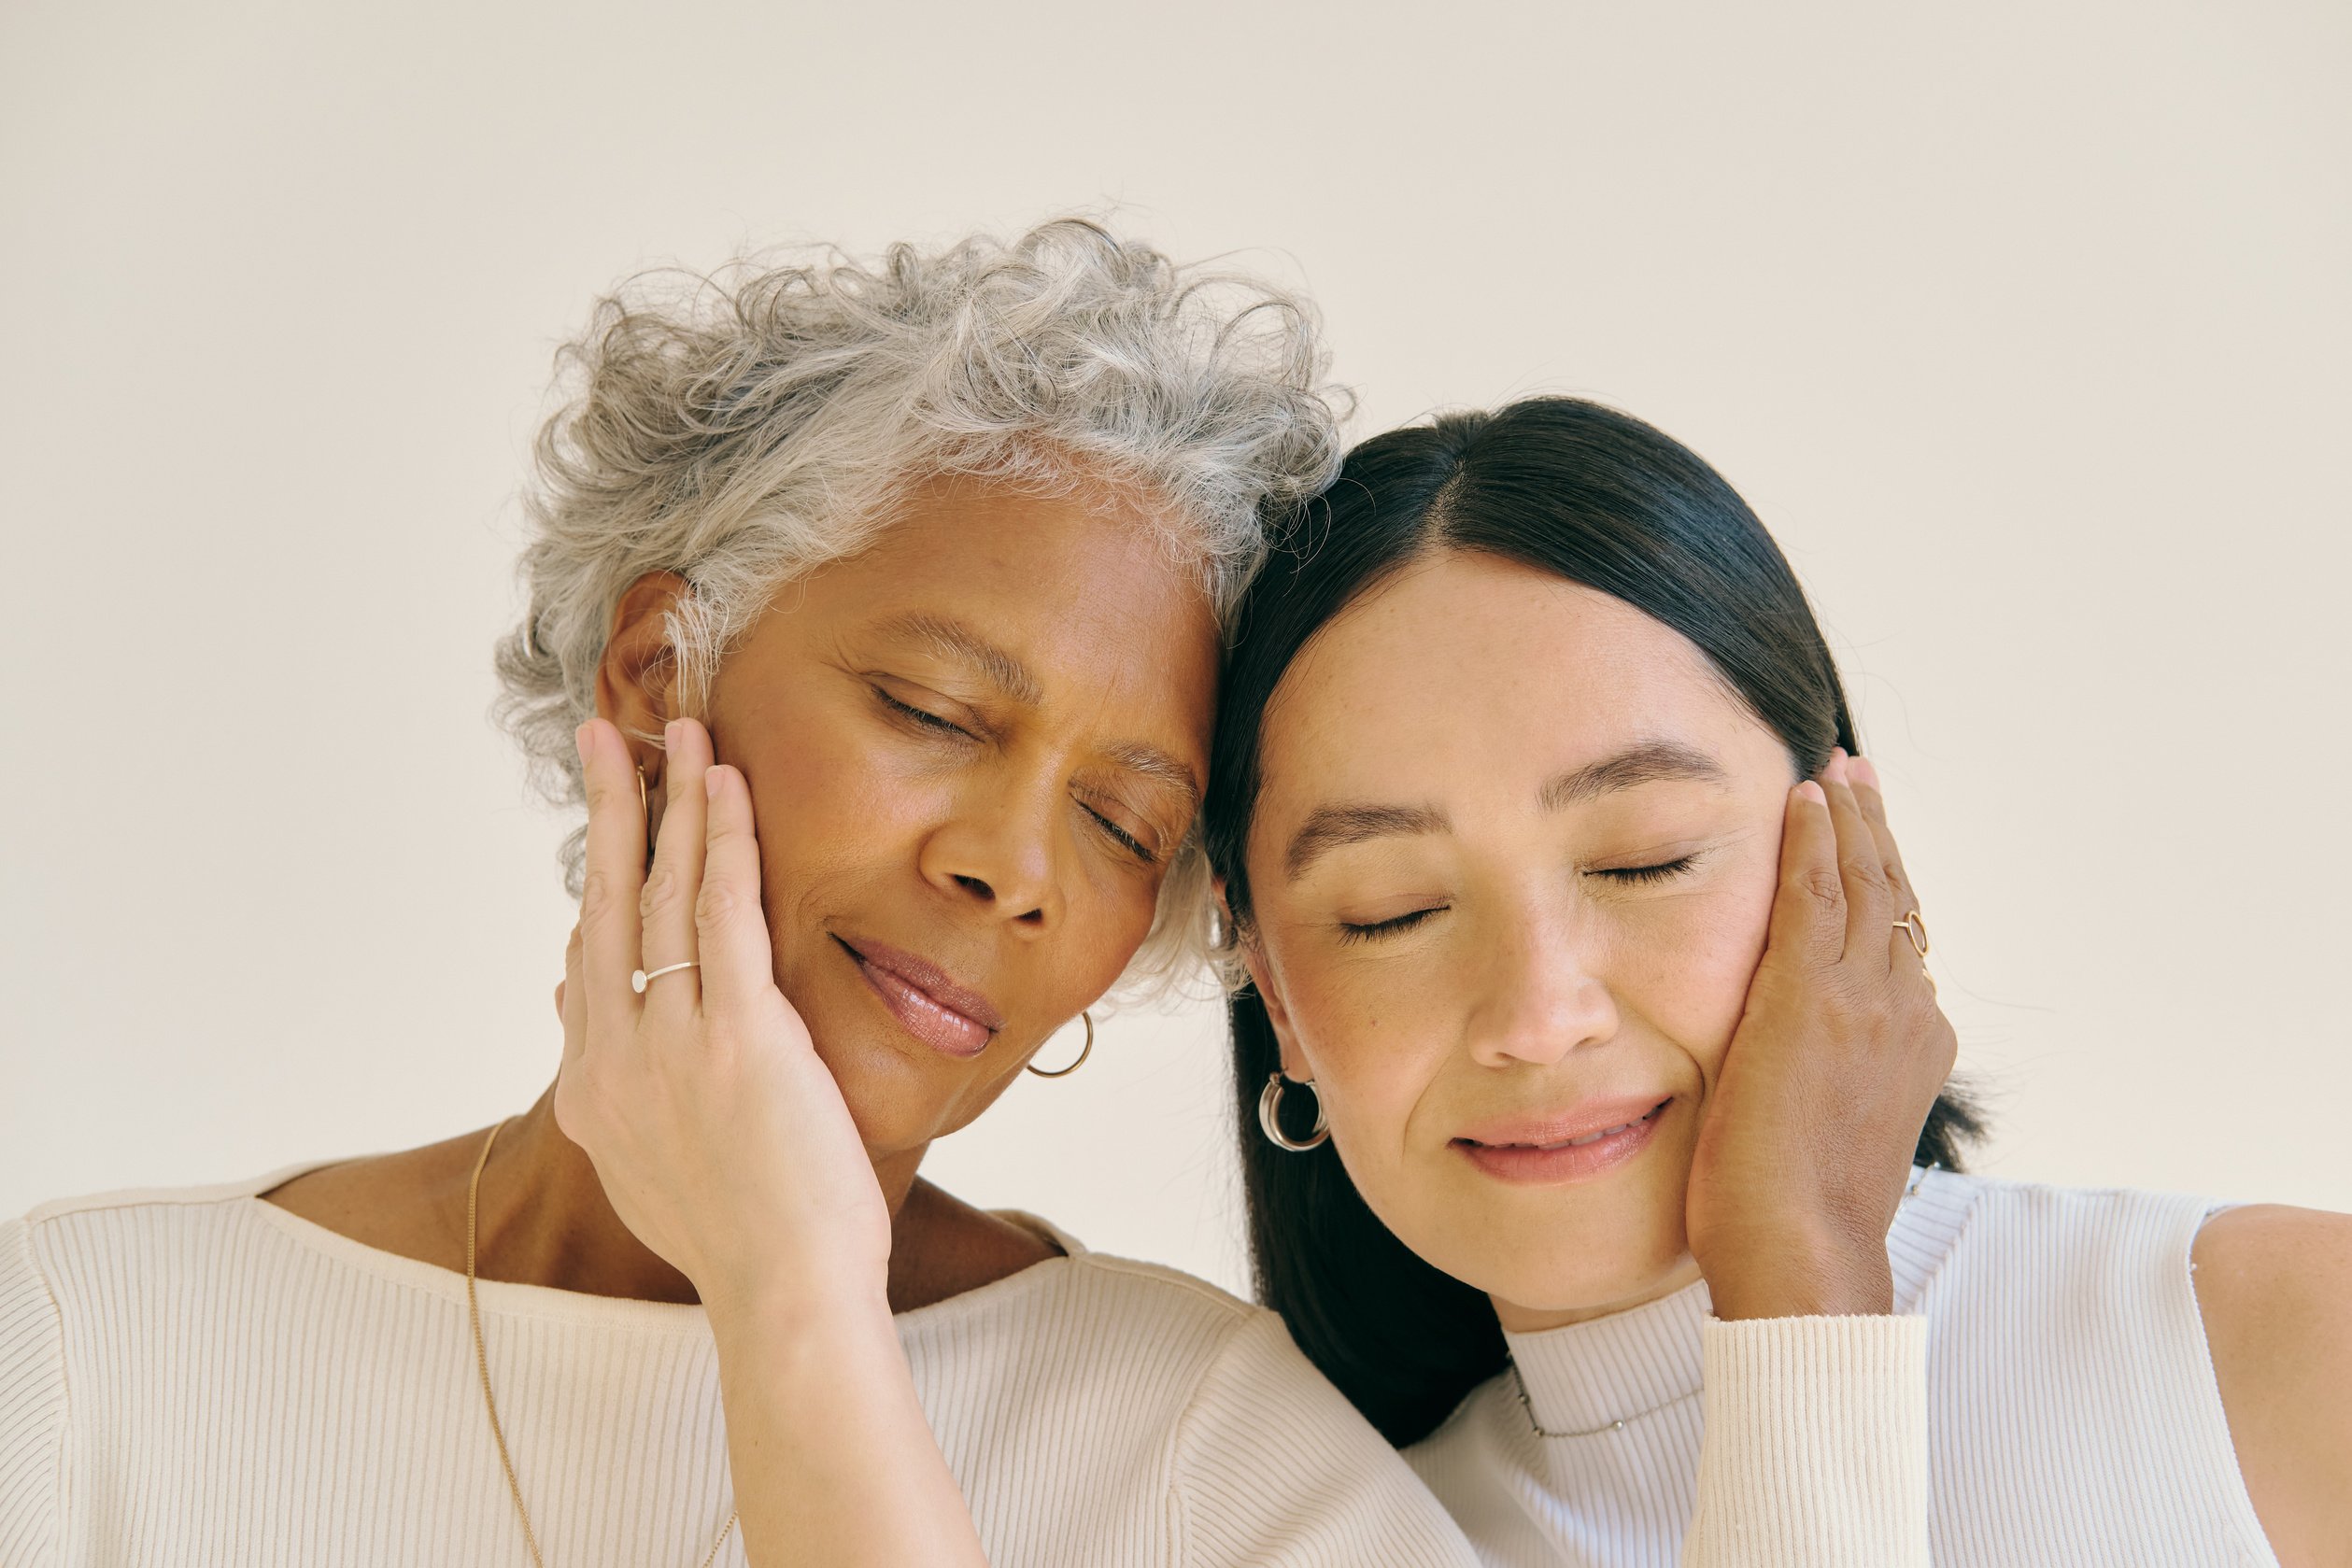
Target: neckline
[508, 1298]
[1585, 1377]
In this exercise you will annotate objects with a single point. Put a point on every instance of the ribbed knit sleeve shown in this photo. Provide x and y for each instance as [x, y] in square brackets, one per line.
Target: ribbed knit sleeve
[32, 1404]
[1274, 1465]
[1815, 1444]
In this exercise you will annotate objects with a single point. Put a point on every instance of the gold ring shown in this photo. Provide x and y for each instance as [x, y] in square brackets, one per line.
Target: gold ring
[1914, 928]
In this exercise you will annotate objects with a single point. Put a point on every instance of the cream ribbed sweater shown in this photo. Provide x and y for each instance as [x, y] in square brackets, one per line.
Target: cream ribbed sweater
[198, 1376]
[2072, 1416]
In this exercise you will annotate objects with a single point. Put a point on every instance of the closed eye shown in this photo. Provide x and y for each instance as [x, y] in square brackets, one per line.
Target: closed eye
[1126, 840]
[921, 718]
[1394, 926]
[1633, 876]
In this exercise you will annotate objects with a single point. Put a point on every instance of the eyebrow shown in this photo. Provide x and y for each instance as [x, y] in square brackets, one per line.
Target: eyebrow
[954, 639]
[1650, 762]
[1150, 762]
[1330, 828]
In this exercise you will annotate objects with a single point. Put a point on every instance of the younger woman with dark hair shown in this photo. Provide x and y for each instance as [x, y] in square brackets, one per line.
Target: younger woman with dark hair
[1529, 768]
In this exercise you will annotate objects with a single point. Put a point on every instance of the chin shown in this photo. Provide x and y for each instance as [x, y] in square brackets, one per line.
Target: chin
[891, 1089]
[1590, 1281]
[1552, 1258]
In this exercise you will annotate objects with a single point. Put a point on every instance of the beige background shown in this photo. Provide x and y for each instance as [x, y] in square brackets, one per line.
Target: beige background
[2024, 324]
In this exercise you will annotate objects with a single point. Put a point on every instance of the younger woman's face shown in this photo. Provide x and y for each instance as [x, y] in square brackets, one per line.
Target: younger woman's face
[1510, 870]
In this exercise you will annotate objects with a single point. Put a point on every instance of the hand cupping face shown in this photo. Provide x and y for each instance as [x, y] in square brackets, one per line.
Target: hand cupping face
[1573, 1008]
[922, 822]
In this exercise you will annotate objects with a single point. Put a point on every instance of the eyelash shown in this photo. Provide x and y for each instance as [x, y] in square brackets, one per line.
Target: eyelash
[1126, 840]
[1636, 875]
[1630, 875]
[924, 719]
[921, 718]
[1380, 928]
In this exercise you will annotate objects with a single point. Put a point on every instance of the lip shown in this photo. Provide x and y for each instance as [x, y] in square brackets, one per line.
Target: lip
[1544, 1150]
[929, 1003]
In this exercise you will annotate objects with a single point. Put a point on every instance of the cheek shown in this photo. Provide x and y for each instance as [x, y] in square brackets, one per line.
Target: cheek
[830, 814]
[1373, 1044]
[1690, 976]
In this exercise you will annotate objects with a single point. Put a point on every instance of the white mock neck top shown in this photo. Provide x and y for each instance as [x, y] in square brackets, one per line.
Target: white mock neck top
[198, 1376]
[2072, 1416]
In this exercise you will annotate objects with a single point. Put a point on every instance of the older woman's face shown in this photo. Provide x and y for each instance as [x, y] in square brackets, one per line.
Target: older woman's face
[971, 751]
[1511, 873]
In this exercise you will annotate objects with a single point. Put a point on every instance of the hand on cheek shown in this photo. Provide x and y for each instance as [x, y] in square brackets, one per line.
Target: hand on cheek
[1840, 1051]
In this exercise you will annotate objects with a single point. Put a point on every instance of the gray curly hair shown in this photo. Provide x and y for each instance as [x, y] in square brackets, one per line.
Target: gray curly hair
[743, 429]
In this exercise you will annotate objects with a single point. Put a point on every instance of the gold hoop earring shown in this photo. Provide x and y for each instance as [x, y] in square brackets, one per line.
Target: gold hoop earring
[1269, 1112]
[1082, 1054]
[644, 807]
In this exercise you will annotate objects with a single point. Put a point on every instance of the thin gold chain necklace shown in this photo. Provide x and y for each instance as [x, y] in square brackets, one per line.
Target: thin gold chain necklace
[482, 1365]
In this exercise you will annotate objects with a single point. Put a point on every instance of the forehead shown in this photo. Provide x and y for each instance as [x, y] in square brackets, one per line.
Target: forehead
[1468, 666]
[1088, 591]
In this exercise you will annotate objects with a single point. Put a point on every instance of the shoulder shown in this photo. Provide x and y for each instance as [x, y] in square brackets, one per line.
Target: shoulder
[33, 1409]
[97, 1258]
[1272, 1462]
[56, 1212]
[2271, 1283]
[2099, 1241]
[71, 1238]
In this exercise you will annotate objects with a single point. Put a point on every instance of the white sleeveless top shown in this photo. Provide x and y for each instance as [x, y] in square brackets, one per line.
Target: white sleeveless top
[2073, 1416]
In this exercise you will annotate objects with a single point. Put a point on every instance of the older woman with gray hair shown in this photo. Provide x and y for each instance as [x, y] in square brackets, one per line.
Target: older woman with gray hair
[921, 567]
[932, 553]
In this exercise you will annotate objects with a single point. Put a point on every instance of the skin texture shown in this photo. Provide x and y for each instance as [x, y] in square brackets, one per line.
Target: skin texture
[2271, 1282]
[747, 1132]
[1532, 967]
[986, 852]
[1537, 981]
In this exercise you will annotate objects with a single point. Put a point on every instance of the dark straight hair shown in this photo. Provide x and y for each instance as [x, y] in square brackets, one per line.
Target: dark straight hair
[1587, 494]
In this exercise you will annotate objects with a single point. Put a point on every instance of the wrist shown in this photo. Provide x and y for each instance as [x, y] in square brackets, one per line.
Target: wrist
[799, 1305]
[1803, 1279]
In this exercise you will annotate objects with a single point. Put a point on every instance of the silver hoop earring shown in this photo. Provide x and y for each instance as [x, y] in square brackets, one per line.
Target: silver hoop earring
[1270, 1107]
[1088, 1051]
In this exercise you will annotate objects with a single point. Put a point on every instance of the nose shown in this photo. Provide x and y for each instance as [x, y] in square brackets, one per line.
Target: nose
[1541, 997]
[996, 854]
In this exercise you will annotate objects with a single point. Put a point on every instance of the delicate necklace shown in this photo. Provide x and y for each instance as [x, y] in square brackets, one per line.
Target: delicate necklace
[482, 1365]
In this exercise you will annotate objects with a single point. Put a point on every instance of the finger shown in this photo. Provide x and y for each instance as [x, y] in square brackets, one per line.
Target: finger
[675, 878]
[1809, 908]
[1871, 795]
[613, 874]
[738, 959]
[1869, 912]
[1900, 950]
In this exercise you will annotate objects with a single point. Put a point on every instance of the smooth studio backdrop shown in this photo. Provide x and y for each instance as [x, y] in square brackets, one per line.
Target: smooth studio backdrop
[2025, 326]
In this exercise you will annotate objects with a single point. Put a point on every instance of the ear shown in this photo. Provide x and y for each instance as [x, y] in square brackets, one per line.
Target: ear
[1270, 991]
[636, 680]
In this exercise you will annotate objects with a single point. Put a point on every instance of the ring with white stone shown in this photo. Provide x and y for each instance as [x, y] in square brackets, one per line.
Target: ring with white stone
[640, 979]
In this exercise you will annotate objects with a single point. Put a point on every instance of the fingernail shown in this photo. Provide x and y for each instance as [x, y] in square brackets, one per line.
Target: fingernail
[579, 744]
[669, 736]
[711, 782]
[1865, 774]
[1812, 791]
